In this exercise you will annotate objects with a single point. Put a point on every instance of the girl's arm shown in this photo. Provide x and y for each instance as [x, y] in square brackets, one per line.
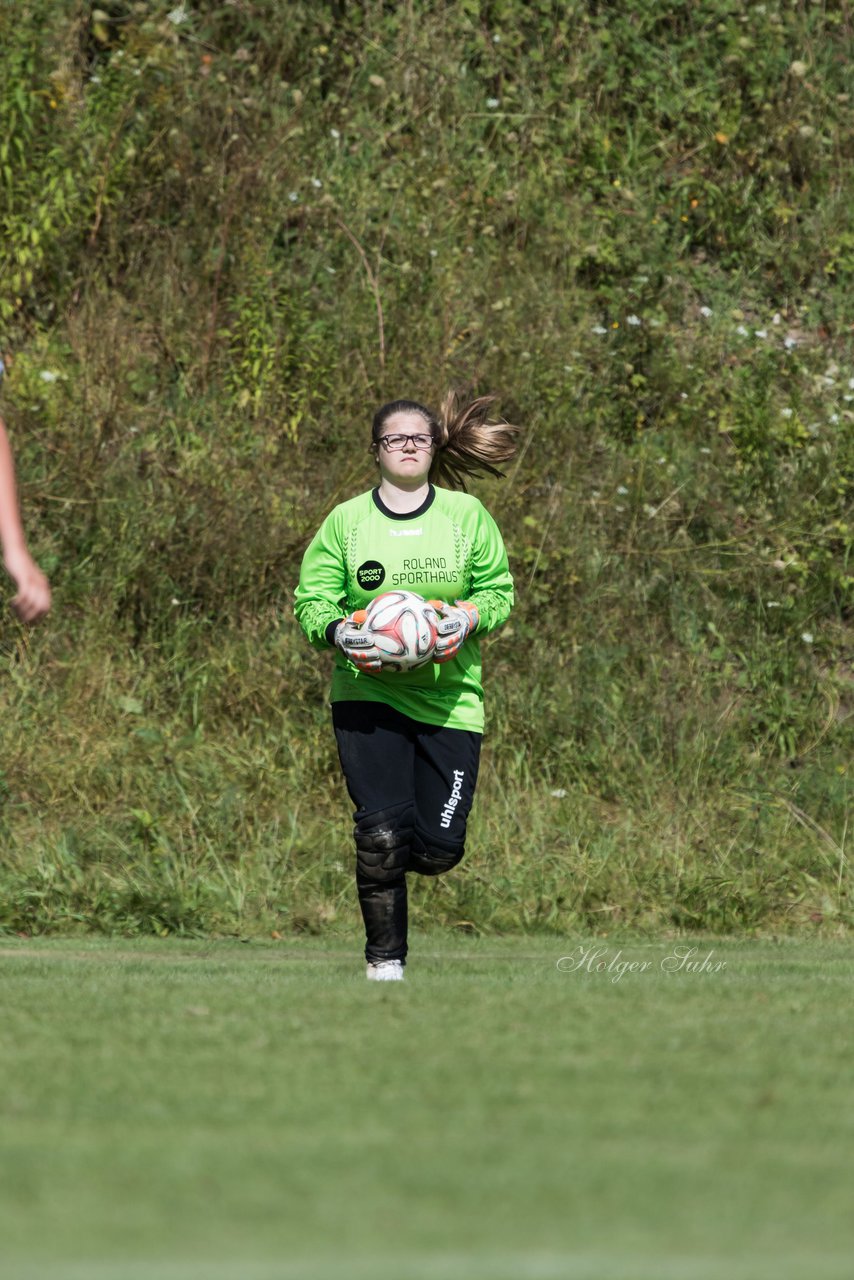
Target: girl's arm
[490, 596]
[491, 590]
[33, 599]
[320, 597]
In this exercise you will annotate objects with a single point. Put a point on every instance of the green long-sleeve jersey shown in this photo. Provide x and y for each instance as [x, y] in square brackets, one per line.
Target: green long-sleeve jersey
[448, 549]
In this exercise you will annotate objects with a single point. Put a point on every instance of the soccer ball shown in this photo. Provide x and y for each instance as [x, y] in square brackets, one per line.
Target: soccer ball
[404, 626]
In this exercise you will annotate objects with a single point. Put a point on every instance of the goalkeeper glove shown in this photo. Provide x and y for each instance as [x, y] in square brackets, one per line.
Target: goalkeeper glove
[357, 643]
[456, 623]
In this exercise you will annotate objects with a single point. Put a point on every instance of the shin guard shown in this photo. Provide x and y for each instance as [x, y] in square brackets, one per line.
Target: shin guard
[384, 911]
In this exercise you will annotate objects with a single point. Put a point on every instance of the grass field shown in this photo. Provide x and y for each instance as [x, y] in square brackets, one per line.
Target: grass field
[178, 1109]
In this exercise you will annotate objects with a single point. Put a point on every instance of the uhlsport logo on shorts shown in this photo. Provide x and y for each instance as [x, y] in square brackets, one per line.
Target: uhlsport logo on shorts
[370, 575]
[453, 799]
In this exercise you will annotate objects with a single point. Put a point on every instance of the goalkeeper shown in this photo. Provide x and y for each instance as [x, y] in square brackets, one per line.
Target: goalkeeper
[409, 743]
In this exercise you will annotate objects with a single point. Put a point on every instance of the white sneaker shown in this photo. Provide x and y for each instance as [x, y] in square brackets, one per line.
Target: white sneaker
[385, 971]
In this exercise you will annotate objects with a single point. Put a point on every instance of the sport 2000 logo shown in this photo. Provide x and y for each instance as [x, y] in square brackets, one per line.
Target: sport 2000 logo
[370, 575]
[681, 959]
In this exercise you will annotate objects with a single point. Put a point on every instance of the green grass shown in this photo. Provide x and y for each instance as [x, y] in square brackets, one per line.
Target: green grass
[188, 1109]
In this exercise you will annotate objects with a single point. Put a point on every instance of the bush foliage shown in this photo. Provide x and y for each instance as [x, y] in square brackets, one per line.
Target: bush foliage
[229, 231]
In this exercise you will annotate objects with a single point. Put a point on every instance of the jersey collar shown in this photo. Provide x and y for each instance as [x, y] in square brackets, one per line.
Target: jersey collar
[408, 515]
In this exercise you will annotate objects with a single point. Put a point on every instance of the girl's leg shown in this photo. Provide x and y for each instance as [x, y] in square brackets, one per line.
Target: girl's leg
[446, 765]
[377, 753]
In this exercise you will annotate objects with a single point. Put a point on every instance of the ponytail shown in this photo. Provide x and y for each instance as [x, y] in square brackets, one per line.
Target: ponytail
[467, 444]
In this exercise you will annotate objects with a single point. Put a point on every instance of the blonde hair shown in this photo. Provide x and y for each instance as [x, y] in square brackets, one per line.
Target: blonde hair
[467, 443]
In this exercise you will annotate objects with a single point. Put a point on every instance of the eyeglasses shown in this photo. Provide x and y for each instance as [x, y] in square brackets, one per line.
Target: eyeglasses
[393, 443]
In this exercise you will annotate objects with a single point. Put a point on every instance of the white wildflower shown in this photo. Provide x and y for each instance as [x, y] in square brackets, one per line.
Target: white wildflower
[598, 328]
[293, 196]
[434, 253]
[633, 320]
[558, 793]
[706, 312]
[790, 343]
[705, 450]
[772, 604]
[786, 413]
[761, 333]
[177, 16]
[47, 375]
[807, 637]
[621, 488]
[742, 331]
[315, 182]
[492, 103]
[334, 133]
[777, 318]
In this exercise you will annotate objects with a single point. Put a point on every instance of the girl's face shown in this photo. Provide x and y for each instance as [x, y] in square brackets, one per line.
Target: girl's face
[406, 462]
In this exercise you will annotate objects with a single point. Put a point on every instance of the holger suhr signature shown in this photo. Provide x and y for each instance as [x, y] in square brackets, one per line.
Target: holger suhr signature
[596, 959]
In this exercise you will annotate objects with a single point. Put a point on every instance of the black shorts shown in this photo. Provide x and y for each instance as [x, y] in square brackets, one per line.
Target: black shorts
[389, 760]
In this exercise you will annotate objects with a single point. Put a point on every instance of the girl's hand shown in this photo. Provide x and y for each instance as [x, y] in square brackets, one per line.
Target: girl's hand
[33, 599]
[456, 623]
[357, 644]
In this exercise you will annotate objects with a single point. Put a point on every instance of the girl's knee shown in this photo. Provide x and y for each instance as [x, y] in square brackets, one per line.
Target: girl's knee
[432, 855]
[383, 842]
